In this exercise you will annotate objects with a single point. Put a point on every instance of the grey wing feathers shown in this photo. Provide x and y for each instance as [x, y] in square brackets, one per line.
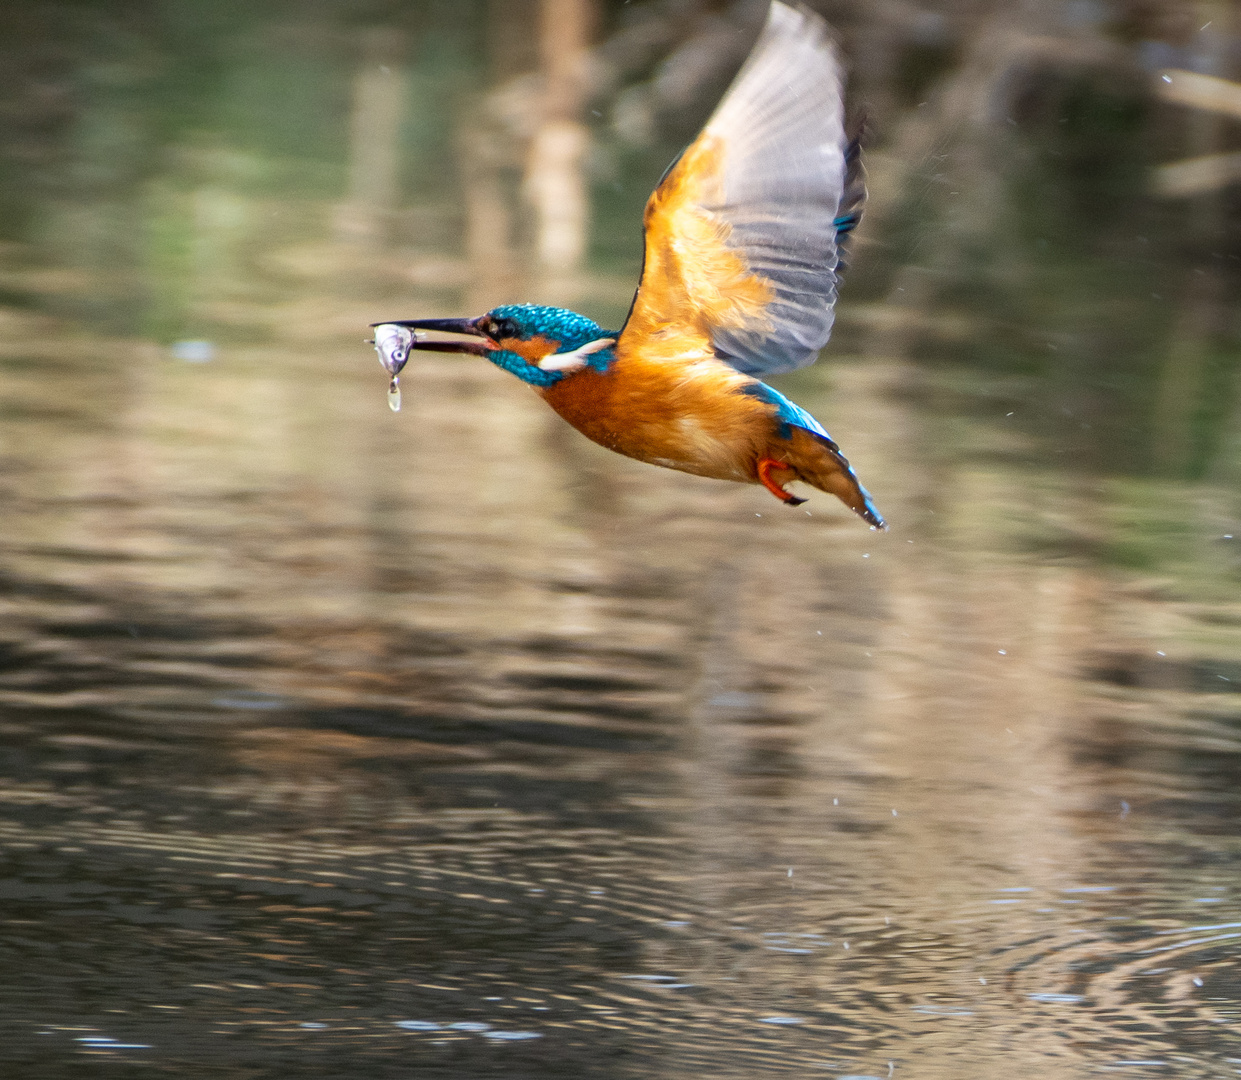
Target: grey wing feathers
[792, 188]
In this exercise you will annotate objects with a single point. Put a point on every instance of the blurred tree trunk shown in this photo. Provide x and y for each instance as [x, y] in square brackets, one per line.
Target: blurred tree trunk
[488, 221]
[555, 177]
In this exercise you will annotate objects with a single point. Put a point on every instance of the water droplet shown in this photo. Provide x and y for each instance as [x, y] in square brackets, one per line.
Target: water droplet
[394, 395]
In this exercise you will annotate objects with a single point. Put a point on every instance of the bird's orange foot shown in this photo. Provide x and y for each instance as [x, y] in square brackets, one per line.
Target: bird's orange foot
[765, 465]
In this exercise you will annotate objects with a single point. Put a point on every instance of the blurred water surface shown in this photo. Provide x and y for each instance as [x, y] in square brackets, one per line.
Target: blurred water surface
[344, 743]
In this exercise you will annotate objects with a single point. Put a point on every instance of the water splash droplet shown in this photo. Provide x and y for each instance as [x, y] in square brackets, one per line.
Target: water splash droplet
[394, 395]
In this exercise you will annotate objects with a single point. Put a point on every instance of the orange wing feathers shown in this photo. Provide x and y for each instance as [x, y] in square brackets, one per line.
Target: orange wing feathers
[667, 399]
[692, 281]
[742, 236]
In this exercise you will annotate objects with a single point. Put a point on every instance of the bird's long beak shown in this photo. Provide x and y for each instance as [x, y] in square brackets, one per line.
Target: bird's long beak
[447, 326]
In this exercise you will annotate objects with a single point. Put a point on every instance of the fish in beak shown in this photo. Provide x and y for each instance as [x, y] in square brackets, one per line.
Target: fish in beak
[394, 341]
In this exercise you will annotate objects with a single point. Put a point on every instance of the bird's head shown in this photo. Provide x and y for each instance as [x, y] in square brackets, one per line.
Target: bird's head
[538, 344]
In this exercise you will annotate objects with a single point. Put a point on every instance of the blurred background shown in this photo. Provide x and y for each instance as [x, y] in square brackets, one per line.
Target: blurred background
[338, 742]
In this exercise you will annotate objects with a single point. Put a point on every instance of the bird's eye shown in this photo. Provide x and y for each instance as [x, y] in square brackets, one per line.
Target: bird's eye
[502, 328]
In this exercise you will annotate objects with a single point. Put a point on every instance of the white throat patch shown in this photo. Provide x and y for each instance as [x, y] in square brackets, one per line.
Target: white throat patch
[571, 361]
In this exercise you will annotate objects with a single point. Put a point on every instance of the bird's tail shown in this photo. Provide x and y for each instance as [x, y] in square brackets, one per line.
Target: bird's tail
[820, 464]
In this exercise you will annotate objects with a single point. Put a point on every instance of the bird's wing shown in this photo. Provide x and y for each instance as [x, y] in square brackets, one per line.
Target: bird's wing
[744, 233]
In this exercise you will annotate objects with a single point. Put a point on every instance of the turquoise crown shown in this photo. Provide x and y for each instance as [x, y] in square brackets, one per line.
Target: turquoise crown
[556, 324]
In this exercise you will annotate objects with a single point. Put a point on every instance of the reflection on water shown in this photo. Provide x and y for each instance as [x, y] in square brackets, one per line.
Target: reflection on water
[345, 743]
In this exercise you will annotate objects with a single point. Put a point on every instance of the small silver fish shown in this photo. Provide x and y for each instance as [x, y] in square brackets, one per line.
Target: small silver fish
[393, 344]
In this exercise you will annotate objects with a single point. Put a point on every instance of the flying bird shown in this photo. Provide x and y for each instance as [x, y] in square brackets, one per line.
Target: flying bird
[745, 238]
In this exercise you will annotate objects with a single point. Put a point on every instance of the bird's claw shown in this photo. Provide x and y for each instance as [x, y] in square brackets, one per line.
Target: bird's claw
[765, 466]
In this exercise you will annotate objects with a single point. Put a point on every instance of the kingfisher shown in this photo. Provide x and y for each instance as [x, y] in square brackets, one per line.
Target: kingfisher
[745, 239]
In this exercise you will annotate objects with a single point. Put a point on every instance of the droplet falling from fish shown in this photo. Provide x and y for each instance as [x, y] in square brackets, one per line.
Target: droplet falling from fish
[394, 394]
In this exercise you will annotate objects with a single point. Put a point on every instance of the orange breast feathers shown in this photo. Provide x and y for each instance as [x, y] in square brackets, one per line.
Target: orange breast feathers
[683, 413]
